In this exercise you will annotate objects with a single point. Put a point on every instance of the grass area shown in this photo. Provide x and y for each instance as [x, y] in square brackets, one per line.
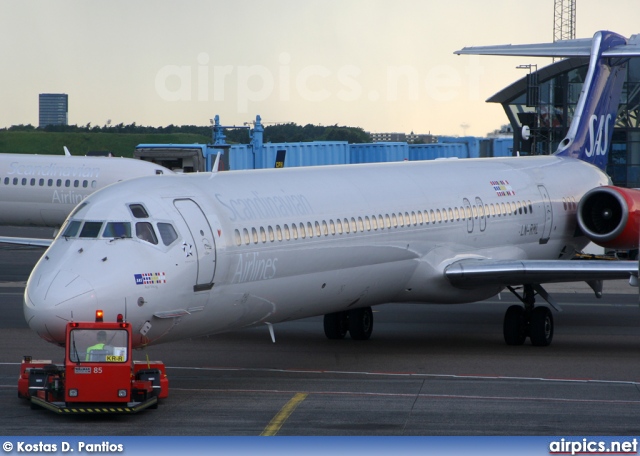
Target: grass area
[119, 144]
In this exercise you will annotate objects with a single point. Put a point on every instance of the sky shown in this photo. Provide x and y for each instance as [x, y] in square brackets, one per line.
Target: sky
[384, 66]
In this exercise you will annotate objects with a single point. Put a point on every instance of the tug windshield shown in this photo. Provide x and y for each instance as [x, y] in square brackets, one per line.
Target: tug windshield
[98, 345]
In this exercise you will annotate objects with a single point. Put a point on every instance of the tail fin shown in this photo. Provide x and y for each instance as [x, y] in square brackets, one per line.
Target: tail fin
[591, 129]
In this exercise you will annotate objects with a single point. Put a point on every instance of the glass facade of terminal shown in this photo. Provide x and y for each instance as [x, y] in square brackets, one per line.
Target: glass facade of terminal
[547, 106]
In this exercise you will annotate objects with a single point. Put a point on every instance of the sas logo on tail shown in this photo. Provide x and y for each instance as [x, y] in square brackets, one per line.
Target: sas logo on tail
[598, 135]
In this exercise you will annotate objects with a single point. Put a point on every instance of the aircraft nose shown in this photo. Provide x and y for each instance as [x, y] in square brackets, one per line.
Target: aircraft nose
[51, 301]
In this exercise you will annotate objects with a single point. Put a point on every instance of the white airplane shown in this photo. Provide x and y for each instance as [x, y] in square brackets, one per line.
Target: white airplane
[41, 190]
[185, 256]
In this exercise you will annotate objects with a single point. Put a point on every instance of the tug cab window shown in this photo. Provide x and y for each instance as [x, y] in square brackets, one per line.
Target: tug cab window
[98, 345]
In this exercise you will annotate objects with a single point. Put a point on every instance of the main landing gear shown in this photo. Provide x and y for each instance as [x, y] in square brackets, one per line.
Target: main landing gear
[357, 322]
[528, 321]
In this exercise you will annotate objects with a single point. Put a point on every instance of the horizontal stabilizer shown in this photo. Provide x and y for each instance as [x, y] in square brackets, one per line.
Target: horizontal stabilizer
[566, 48]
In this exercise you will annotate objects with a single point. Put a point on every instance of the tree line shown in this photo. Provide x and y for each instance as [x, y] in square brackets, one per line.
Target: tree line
[288, 132]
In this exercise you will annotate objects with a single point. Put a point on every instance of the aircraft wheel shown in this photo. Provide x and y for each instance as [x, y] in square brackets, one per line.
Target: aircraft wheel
[514, 327]
[360, 323]
[336, 325]
[541, 327]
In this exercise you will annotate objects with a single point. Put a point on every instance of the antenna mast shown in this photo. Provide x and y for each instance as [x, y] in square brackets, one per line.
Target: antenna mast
[564, 20]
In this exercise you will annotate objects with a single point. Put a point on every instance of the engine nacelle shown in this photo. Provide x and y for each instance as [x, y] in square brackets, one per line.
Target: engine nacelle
[610, 217]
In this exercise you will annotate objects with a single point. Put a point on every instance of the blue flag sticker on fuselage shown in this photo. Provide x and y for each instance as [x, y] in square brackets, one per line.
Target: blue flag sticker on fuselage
[503, 188]
[150, 278]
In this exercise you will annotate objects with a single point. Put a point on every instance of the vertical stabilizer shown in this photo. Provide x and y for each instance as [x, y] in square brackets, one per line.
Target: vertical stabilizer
[589, 136]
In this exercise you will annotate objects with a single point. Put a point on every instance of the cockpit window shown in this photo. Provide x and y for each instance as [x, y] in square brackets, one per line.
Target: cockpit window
[138, 211]
[117, 230]
[145, 231]
[90, 229]
[72, 229]
[167, 233]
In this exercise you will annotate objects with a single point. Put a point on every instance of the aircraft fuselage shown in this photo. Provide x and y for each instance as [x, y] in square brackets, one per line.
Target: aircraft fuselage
[266, 246]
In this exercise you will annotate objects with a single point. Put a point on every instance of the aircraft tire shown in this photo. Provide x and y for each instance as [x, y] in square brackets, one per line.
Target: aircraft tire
[336, 325]
[541, 327]
[360, 323]
[514, 326]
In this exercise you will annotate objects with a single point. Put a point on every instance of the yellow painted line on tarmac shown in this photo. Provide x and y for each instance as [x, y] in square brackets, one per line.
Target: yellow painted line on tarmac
[285, 412]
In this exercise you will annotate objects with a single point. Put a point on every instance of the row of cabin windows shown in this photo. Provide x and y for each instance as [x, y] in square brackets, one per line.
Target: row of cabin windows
[379, 222]
[49, 182]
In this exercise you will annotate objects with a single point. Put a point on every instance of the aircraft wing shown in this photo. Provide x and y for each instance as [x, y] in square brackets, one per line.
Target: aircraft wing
[26, 241]
[471, 273]
[565, 48]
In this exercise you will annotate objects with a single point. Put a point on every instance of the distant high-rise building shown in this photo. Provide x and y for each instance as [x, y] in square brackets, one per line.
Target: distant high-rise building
[53, 109]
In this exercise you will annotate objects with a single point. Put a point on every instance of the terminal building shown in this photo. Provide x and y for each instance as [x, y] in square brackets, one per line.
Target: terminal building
[53, 109]
[545, 101]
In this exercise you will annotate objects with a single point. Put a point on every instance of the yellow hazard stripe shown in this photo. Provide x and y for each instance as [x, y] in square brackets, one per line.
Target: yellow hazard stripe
[285, 412]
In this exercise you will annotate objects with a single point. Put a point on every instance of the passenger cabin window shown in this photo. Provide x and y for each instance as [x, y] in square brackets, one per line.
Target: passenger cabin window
[145, 231]
[138, 211]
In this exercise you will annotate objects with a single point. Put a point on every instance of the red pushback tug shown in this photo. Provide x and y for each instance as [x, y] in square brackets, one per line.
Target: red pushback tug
[98, 375]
